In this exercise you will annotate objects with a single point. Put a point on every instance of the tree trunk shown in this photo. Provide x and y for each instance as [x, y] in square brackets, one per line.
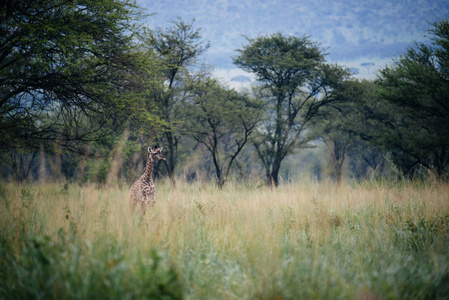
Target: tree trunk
[218, 171]
[274, 176]
[268, 176]
[170, 164]
[338, 172]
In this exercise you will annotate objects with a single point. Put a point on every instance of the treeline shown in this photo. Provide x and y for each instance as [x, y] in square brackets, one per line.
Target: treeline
[85, 89]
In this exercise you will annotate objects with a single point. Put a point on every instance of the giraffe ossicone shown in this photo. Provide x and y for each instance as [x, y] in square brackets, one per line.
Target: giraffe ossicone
[143, 191]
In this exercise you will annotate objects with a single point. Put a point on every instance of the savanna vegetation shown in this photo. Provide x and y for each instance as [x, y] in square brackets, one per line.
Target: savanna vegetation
[309, 240]
[81, 102]
[309, 184]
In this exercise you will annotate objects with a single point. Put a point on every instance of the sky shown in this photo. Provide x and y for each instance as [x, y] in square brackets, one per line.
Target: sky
[362, 35]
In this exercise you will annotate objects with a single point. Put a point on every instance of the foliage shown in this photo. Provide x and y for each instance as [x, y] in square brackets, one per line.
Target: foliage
[69, 71]
[307, 240]
[295, 83]
[73, 268]
[222, 120]
[412, 120]
[343, 125]
[84, 87]
[177, 47]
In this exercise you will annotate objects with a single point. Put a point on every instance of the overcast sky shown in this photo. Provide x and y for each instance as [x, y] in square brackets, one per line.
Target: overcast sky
[360, 34]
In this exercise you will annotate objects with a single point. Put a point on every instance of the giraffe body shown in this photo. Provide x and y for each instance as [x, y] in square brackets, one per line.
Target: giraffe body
[143, 191]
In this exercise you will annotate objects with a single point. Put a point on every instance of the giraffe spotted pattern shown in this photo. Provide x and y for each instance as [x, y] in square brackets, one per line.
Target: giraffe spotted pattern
[142, 191]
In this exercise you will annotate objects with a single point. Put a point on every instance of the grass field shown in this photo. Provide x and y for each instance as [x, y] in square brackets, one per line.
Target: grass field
[308, 240]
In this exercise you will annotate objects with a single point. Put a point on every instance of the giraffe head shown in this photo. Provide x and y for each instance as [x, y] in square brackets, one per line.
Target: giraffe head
[156, 153]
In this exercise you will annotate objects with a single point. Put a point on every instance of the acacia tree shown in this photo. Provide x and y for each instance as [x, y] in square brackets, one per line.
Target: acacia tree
[345, 126]
[69, 71]
[340, 124]
[178, 47]
[412, 116]
[338, 142]
[295, 83]
[222, 120]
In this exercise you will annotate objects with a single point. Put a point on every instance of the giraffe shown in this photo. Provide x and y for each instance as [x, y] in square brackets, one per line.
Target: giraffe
[143, 191]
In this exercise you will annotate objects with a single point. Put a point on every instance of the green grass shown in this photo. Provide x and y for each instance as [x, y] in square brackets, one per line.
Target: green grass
[309, 240]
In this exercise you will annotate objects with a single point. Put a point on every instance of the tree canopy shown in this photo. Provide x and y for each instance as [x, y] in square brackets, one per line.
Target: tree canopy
[177, 47]
[222, 120]
[67, 70]
[413, 122]
[86, 77]
[295, 83]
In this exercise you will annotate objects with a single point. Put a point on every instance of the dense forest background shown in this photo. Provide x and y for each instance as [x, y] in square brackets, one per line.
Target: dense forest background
[85, 89]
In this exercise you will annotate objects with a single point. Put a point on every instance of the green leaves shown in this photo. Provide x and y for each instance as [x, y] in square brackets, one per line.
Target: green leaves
[72, 267]
[222, 120]
[295, 84]
[415, 90]
[280, 61]
[64, 65]
[176, 48]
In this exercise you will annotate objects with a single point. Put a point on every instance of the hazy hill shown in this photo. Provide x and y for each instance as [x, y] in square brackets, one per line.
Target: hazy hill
[353, 30]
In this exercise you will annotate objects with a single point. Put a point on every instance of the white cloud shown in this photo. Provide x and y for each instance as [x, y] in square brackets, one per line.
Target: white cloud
[226, 75]
[369, 71]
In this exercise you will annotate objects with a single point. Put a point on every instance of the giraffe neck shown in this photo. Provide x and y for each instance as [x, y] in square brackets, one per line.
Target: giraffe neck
[148, 172]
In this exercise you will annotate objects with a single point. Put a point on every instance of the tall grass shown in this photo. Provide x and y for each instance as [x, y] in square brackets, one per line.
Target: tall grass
[308, 240]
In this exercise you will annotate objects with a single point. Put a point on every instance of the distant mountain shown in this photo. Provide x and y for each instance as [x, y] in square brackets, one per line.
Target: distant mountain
[351, 30]
[241, 78]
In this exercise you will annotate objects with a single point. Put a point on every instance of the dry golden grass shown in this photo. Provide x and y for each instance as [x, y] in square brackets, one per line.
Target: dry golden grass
[308, 239]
